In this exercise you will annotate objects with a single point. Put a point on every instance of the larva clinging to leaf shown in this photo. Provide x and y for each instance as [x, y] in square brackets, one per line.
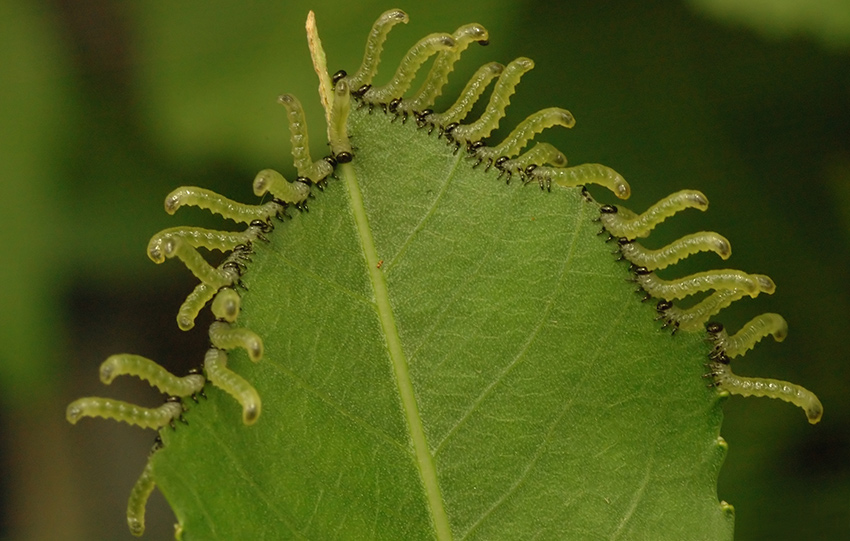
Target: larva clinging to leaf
[438, 76]
[197, 237]
[270, 181]
[194, 261]
[410, 64]
[621, 222]
[694, 317]
[138, 500]
[467, 99]
[215, 366]
[299, 136]
[374, 47]
[749, 335]
[704, 241]
[727, 381]
[109, 408]
[125, 364]
[191, 307]
[525, 132]
[338, 129]
[751, 284]
[218, 204]
[495, 111]
[581, 175]
[225, 336]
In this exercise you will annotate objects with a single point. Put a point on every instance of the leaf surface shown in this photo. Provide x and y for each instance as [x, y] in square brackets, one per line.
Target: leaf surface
[448, 353]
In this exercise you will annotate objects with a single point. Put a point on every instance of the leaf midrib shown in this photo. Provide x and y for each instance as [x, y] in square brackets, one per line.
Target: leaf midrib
[422, 454]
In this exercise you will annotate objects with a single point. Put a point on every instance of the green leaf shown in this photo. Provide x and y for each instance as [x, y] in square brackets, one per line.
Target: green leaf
[497, 377]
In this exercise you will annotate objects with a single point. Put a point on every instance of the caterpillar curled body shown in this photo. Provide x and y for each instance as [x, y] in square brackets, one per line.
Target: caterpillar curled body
[581, 175]
[525, 132]
[194, 261]
[750, 334]
[473, 90]
[374, 47]
[300, 139]
[621, 222]
[226, 304]
[270, 181]
[118, 410]
[215, 366]
[138, 500]
[218, 204]
[751, 284]
[443, 65]
[410, 64]
[704, 241]
[191, 307]
[694, 318]
[540, 154]
[726, 380]
[495, 111]
[197, 237]
[225, 336]
[126, 364]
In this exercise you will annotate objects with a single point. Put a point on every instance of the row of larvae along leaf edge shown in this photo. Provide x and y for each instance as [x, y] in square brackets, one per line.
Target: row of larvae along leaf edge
[543, 164]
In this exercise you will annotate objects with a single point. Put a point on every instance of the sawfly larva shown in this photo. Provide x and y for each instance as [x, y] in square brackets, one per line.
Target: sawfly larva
[225, 336]
[727, 381]
[197, 237]
[495, 111]
[299, 137]
[338, 129]
[108, 408]
[473, 90]
[749, 335]
[751, 284]
[125, 364]
[621, 222]
[410, 64]
[374, 47]
[581, 175]
[191, 307]
[218, 204]
[270, 181]
[138, 500]
[704, 241]
[215, 366]
[226, 304]
[694, 317]
[195, 262]
[525, 132]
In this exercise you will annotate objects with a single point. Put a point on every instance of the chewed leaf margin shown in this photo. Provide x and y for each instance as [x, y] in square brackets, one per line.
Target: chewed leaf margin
[508, 159]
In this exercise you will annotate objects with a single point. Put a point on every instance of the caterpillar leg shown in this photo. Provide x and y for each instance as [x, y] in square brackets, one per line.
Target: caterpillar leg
[704, 241]
[108, 408]
[125, 364]
[750, 334]
[621, 222]
[215, 366]
[138, 500]
[726, 380]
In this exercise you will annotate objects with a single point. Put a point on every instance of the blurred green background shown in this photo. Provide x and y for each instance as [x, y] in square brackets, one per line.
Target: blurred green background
[107, 106]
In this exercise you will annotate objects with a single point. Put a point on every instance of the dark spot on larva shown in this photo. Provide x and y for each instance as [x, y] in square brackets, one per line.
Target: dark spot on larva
[608, 209]
[663, 306]
[344, 157]
[341, 74]
[642, 271]
[714, 327]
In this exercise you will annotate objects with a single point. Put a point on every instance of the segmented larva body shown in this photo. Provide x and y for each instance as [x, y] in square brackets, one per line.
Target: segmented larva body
[540, 154]
[225, 336]
[197, 237]
[749, 335]
[215, 366]
[270, 181]
[410, 64]
[375, 45]
[751, 284]
[727, 381]
[525, 132]
[194, 261]
[108, 408]
[125, 364]
[581, 175]
[621, 222]
[499, 100]
[218, 204]
[138, 500]
[191, 307]
[695, 317]
[473, 90]
[704, 241]
[307, 168]
[443, 66]
[338, 132]
[226, 304]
